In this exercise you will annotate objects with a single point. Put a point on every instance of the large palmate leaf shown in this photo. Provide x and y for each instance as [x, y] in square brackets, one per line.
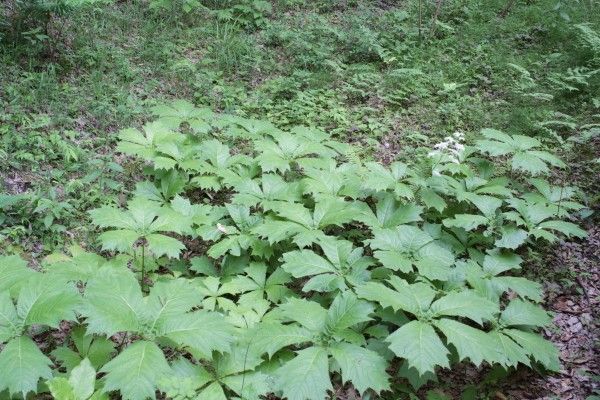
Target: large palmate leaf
[379, 178]
[256, 285]
[331, 181]
[342, 265]
[169, 299]
[80, 384]
[231, 373]
[233, 234]
[389, 213]
[297, 222]
[179, 111]
[487, 281]
[143, 219]
[97, 349]
[406, 246]
[525, 157]
[136, 371]
[157, 144]
[537, 220]
[413, 298]
[270, 187]
[10, 325]
[519, 312]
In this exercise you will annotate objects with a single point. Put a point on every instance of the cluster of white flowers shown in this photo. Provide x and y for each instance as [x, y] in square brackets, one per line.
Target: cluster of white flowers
[451, 146]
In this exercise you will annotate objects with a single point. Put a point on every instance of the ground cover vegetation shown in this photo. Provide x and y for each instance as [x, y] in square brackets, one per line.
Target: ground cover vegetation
[292, 199]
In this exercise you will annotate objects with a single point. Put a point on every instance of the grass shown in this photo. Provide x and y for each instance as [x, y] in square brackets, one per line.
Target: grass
[358, 69]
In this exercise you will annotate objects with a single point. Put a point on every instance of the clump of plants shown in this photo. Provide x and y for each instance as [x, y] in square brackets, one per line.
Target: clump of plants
[257, 261]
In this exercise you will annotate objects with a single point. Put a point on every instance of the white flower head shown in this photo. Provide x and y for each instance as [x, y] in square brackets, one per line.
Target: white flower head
[221, 228]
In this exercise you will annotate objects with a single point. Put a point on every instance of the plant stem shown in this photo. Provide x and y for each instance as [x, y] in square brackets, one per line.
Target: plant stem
[562, 187]
[143, 269]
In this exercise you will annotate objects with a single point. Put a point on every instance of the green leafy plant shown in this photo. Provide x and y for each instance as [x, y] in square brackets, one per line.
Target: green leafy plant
[311, 268]
[29, 299]
[80, 385]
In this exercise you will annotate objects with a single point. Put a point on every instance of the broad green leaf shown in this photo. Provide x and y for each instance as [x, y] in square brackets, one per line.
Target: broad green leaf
[22, 365]
[528, 162]
[537, 347]
[564, 227]
[82, 380]
[307, 313]
[519, 312]
[13, 273]
[512, 237]
[364, 368]
[202, 331]
[468, 222]
[497, 262]
[347, 310]
[465, 304]
[433, 200]
[420, 345]
[413, 298]
[119, 240]
[161, 245]
[471, 343]
[305, 377]
[135, 372]
[113, 303]
[302, 263]
[486, 204]
[47, 302]
[214, 391]
[415, 379]
[111, 217]
[97, 349]
[270, 337]
[512, 353]
[171, 298]
[9, 323]
[522, 286]
[404, 238]
[61, 389]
